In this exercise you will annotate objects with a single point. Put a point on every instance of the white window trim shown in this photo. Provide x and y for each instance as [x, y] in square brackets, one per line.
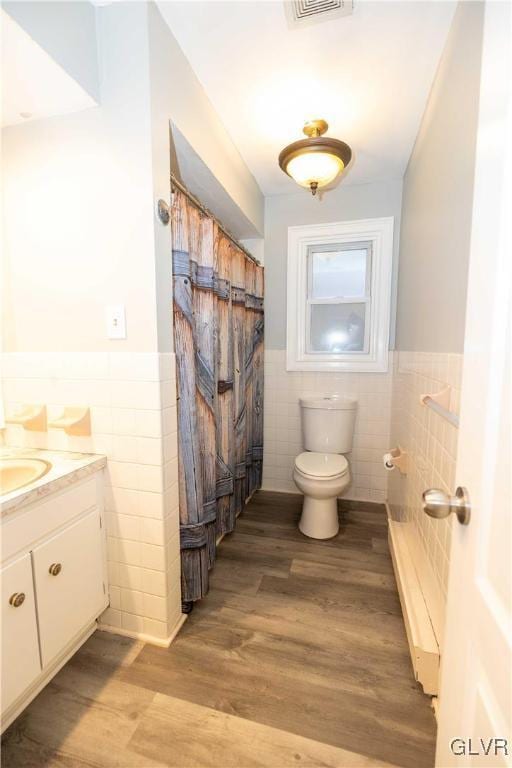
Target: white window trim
[380, 233]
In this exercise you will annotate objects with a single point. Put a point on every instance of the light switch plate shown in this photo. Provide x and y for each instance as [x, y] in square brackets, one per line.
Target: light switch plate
[116, 321]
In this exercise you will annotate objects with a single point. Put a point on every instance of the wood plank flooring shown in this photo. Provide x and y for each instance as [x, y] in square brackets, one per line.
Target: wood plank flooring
[298, 656]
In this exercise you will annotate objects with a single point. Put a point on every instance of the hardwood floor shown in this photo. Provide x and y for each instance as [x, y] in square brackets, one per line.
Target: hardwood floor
[297, 656]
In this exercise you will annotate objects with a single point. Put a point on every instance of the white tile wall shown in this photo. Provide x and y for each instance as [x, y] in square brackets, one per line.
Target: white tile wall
[282, 434]
[431, 443]
[133, 414]
[132, 398]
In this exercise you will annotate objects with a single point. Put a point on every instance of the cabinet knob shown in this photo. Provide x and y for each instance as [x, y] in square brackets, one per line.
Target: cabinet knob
[17, 599]
[55, 569]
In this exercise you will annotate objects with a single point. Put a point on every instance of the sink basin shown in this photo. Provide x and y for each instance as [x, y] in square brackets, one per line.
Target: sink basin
[15, 473]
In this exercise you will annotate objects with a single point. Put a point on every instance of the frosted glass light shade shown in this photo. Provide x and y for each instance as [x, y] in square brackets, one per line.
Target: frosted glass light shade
[316, 161]
[314, 168]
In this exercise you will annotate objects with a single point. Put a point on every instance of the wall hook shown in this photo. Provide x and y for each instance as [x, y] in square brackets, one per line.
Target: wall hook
[162, 211]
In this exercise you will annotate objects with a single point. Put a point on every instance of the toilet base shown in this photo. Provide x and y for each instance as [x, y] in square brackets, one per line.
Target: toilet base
[319, 519]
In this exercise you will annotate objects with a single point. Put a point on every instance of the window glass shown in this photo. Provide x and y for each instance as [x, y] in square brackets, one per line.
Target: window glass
[338, 296]
[338, 273]
[337, 327]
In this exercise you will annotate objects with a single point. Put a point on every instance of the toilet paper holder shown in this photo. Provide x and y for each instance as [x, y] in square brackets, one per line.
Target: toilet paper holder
[396, 458]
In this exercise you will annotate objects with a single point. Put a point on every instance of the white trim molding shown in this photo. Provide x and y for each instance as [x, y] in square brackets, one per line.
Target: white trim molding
[375, 357]
[423, 644]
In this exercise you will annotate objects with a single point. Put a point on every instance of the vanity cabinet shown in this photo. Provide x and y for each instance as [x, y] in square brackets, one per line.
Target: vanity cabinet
[20, 647]
[53, 587]
[70, 591]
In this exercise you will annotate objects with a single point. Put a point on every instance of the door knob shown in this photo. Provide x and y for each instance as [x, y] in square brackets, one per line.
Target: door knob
[17, 599]
[55, 569]
[439, 504]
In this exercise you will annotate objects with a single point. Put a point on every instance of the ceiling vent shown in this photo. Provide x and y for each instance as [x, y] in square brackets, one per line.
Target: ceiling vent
[302, 12]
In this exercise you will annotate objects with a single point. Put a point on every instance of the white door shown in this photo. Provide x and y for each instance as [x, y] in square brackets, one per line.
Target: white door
[476, 670]
[20, 647]
[69, 579]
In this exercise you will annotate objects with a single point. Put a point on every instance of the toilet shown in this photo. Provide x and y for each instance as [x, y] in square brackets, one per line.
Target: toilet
[322, 472]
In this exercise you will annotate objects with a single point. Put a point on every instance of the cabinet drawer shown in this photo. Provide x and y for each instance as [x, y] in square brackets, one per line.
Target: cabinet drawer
[25, 528]
[69, 579]
[20, 649]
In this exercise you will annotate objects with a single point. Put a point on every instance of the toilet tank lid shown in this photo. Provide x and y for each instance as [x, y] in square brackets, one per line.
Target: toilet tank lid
[329, 402]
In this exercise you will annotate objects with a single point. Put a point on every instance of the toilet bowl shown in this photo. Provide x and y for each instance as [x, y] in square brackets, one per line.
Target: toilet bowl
[322, 472]
[321, 477]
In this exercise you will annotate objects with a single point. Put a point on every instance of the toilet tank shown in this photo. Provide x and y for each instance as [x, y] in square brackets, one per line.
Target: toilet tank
[328, 423]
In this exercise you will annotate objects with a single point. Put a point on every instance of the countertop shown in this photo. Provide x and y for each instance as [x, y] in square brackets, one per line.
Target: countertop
[66, 469]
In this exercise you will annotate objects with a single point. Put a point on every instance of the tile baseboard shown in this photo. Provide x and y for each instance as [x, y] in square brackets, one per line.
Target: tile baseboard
[145, 638]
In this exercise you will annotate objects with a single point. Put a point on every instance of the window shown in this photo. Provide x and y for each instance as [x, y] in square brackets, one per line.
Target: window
[338, 297]
[339, 287]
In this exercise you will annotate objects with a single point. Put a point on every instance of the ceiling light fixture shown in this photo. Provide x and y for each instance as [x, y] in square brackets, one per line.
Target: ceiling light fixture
[316, 161]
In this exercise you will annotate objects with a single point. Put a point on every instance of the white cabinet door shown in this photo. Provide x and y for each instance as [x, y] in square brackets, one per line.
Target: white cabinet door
[20, 649]
[69, 579]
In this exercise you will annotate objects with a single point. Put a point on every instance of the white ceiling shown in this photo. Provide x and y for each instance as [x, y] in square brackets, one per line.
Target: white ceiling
[32, 83]
[368, 75]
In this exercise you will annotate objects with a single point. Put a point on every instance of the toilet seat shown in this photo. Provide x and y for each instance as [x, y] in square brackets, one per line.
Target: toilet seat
[321, 465]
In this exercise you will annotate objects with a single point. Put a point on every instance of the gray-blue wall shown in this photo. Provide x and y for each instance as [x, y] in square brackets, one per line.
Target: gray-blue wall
[438, 198]
[345, 203]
